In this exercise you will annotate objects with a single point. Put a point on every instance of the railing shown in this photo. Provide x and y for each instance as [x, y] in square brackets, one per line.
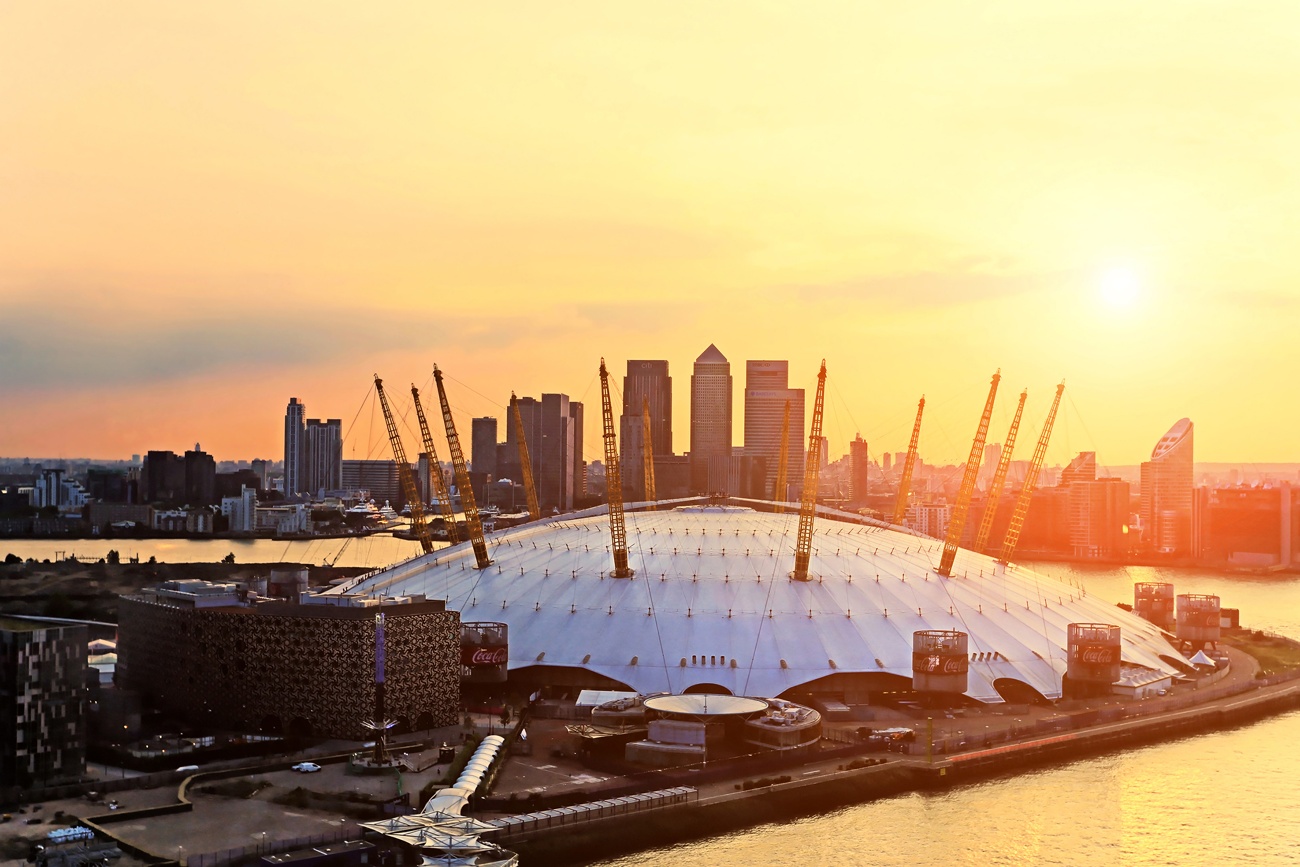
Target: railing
[527, 823]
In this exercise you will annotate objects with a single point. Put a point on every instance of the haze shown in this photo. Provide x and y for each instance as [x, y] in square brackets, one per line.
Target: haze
[205, 210]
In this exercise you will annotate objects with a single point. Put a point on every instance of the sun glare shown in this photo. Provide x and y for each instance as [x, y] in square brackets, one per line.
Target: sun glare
[1119, 288]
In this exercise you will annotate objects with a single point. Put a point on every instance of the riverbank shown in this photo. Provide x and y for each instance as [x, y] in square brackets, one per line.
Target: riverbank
[816, 790]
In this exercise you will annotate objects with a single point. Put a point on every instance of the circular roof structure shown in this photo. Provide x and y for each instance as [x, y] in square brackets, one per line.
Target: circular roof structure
[703, 704]
[712, 608]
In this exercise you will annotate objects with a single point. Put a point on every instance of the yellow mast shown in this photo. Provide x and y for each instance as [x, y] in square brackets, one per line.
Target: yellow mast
[1031, 479]
[418, 527]
[999, 479]
[441, 495]
[525, 463]
[778, 488]
[613, 483]
[905, 480]
[648, 452]
[958, 520]
[808, 507]
[467, 504]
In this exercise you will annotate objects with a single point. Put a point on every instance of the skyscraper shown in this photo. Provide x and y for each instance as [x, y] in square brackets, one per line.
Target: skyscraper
[483, 446]
[1083, 468]
[322, 468]
[553, 430]
[766, 391]
[710, 420]
[646, 383]
[294, 435]
[1166, 501]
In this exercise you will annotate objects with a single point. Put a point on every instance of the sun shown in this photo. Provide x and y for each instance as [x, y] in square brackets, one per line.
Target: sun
[1120, 288]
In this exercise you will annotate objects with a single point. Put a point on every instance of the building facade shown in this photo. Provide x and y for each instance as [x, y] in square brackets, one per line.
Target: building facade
[294, 442]
[859, 465]
[1166, 493]
[209, 655]
[711, 404]
[483, 446]
[323, 458]
[378, 478]
[43, 672]
[766, 393]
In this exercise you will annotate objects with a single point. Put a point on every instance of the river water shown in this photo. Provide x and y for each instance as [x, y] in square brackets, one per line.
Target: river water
[1227, 798]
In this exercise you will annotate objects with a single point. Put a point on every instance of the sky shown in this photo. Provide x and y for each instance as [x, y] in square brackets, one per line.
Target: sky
[206, 209]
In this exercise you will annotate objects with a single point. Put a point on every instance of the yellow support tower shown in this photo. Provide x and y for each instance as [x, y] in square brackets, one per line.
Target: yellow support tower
[958, 521]
[999, 479]
[905, 480]
[440, 493]
[778, 487]
[808, 507]
[1031, 479]
[525, 463]
[412, 494]
[648, 452]
[467, 504]
[613, 483]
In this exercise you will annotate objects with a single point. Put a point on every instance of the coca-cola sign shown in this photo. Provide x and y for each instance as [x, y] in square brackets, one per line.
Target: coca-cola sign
[933, 663]
[482, 657]
[1098, 655]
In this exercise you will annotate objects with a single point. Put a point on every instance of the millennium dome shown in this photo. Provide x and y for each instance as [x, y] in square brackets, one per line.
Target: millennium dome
[712, 607]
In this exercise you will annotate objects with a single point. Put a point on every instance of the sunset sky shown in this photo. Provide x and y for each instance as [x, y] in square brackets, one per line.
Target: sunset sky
[208, 208]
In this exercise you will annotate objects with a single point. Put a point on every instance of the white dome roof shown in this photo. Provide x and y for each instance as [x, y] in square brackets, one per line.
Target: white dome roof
[712, 583]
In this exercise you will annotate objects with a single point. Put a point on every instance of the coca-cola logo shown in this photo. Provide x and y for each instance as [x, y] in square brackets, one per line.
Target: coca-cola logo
[1098, 655]
[482, 656]
[940, 664]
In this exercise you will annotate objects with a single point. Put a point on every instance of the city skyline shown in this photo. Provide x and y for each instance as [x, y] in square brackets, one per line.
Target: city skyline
[199, 223]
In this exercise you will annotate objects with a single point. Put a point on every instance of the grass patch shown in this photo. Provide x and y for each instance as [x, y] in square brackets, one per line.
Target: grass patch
[1275, 653]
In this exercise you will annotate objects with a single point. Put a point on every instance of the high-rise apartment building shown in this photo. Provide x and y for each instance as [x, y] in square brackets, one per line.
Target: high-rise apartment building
[200, 478]
[1166, 496]
[710, 421]
[766, 392]
[1099, 511]
[322, 467]
[859, 461]
[483, 446]
[294, 442]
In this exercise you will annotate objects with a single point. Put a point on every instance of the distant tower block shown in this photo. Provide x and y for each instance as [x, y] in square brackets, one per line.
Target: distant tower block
[1198, 619]
[1154, 601]
[484, 652]
[940, 661]
[1094, 654]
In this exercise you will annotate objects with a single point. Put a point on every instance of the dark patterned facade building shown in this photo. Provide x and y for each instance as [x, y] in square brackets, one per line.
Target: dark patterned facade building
[216, 656]
[42, 703]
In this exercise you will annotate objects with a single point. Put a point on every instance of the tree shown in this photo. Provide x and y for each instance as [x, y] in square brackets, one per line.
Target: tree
[229, 559]
[12, 558]
[113, 557]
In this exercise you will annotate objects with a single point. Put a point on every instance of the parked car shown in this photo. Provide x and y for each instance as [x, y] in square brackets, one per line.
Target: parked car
[306, 767]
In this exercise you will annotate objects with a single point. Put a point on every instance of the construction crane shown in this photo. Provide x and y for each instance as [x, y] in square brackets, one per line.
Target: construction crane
[440, 493]
[648, 452]
[808, 507]
[418, 527]
[778, 489]
[613, 483]
[905, 480]
[999, 479]
[467, 504]
[525, 464]
[1031, 479]
[957, 522]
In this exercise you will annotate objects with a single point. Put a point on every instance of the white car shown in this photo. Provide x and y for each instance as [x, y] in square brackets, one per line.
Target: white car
[306, 767]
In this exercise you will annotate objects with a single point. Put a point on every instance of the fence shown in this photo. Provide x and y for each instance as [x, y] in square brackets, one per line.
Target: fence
[271, 847]
[528, 823]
